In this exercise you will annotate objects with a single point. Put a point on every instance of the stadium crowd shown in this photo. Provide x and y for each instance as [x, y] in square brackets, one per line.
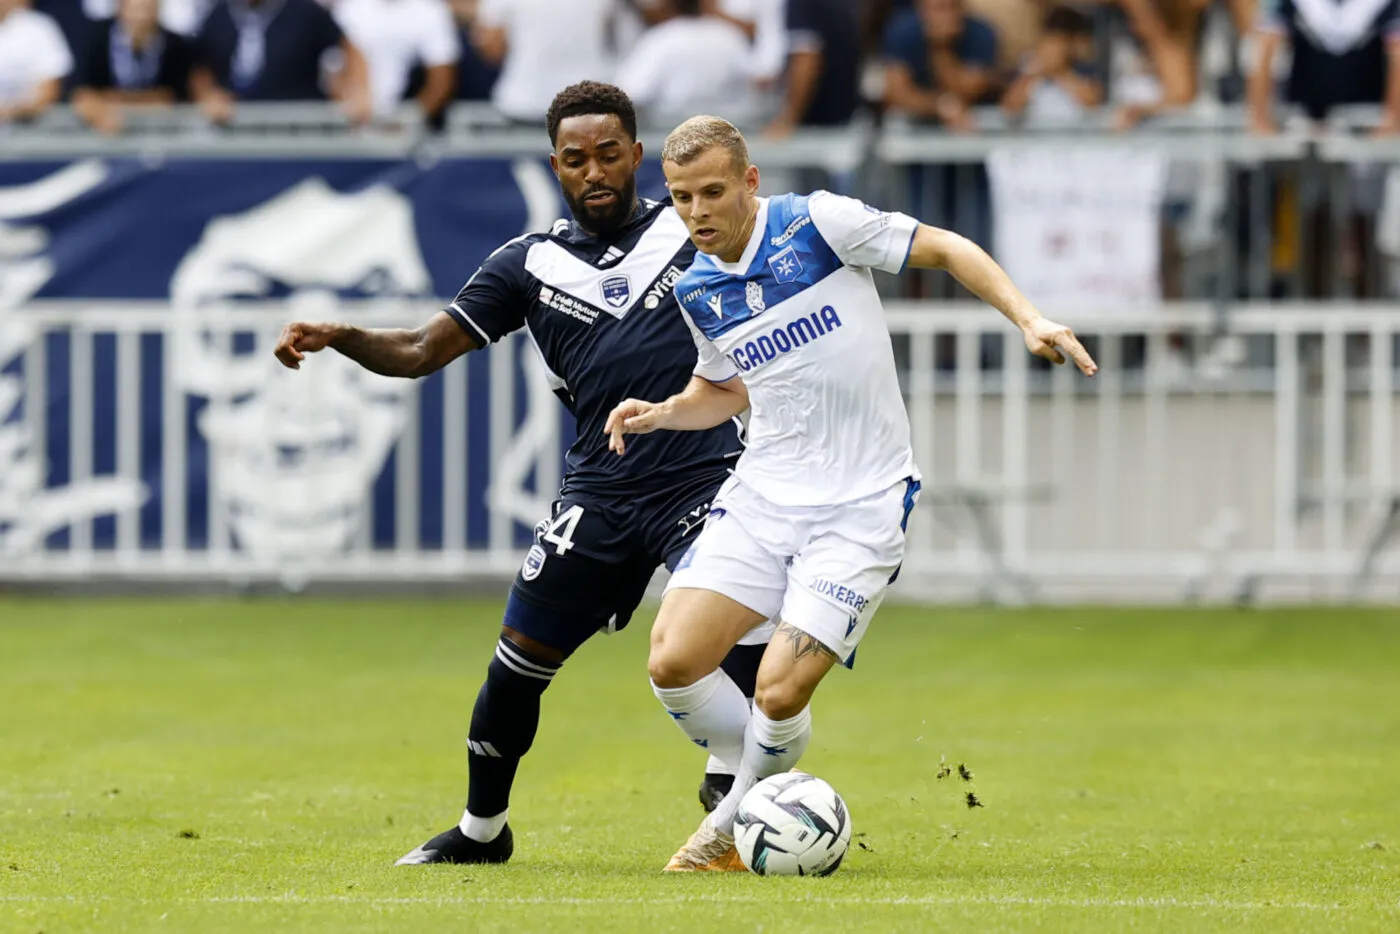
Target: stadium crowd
[774, 65]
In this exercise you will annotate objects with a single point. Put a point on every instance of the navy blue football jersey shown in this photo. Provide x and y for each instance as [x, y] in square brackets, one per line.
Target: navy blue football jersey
[601, 312]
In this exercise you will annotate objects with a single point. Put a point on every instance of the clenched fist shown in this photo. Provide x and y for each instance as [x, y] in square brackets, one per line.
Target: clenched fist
[301, 338]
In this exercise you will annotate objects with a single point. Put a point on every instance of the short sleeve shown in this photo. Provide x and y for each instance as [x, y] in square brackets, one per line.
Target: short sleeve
[861, 235]
[438, 45]
[710, 364]
[51, 57]
[495, 299]
[804, 28]
[979, 44]
[904, 42]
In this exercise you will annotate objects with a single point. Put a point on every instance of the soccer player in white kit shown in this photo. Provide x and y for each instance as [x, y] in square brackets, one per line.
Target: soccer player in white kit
[810, 528]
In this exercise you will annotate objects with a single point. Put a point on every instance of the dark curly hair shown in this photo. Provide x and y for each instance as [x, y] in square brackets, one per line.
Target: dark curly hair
[590, 98]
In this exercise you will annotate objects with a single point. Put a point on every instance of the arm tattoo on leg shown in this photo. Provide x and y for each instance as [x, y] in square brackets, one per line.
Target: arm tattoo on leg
[802, 644]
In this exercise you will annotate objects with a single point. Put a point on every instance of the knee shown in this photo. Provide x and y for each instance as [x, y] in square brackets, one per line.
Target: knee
[780, 699]
[670, 668]
[693, 631]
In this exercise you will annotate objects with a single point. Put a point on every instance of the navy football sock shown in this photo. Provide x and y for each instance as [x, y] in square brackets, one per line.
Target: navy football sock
[504, 722]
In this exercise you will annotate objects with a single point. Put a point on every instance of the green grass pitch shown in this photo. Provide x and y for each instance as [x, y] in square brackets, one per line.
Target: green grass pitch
[257, 766]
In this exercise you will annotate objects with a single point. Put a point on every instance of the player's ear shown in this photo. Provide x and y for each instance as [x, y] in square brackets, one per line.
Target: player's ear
[554, 164]
[637, 155]
[751, 179]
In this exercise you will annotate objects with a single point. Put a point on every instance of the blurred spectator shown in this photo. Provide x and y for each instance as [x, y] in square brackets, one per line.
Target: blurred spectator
[764, 24]
[1342, 54]
[542, 46]
[1055, 83]
[940, 62]
[395, 36]
[876, 19]
[178, 16]
[34, 60]
[274, 50]
[76, 26]
[690, 63]
[1017, 24]
[475, 76]
[1156, 68]
[823, 66]
[130, 61]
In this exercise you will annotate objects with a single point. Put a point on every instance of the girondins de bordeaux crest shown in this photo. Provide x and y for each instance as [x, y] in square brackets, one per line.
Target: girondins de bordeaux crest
[617, 291]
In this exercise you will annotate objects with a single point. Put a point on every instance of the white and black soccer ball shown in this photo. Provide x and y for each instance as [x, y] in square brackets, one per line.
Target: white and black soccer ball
[792, 824]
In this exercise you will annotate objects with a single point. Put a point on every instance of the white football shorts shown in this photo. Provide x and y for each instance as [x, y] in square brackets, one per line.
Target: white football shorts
[821, 569]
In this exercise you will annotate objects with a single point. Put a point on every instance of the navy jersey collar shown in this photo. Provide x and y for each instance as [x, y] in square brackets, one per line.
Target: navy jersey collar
[642, 216]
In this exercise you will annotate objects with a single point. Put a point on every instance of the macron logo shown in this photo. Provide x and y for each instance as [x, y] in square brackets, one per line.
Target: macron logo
[716, 304]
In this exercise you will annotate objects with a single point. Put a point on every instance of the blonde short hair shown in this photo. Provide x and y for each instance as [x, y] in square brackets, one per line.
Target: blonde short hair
[698, 135]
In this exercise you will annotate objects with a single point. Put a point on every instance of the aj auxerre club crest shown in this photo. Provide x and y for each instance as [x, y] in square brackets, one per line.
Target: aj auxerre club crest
[785, 265]
[753, 294]
[617, 291]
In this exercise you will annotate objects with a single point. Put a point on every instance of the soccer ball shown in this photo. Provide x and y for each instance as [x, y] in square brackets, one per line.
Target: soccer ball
[792, 825]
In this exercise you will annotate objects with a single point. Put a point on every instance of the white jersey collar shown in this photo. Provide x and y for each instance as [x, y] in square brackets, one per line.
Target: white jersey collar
[760, 227]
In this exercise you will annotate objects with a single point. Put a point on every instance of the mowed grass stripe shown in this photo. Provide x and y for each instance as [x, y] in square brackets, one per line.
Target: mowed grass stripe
[250, 765]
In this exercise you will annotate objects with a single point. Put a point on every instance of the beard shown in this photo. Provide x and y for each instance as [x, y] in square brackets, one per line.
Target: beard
[604, 219]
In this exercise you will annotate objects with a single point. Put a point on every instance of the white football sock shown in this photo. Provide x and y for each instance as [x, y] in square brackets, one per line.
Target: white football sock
[713, 712]
[483, 829]
[770, 747]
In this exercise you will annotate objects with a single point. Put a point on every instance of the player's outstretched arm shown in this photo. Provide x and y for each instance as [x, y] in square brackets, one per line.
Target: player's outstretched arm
[969, 264]
[701, 405]
[386, 351]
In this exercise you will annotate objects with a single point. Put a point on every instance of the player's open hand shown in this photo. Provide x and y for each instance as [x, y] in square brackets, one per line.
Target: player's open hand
[1054, 342]
[631, 417]
[300, 339]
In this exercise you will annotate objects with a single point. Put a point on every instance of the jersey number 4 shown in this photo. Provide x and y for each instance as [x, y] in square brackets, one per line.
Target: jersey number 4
[560, 530]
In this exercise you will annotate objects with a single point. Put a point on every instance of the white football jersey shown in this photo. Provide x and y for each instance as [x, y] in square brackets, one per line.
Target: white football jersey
[799, 320]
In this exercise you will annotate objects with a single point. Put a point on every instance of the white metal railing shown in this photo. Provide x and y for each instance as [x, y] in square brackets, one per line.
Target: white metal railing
[1266, 458]
[1208, 478]
[320, 130]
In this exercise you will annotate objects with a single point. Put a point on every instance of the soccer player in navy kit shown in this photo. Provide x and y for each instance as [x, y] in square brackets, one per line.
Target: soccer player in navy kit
[595, 295]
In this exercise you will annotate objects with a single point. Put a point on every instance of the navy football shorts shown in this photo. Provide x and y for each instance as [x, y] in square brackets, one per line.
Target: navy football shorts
[593, 558]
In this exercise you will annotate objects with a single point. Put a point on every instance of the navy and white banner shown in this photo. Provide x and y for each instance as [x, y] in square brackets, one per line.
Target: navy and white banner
[278, 464]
